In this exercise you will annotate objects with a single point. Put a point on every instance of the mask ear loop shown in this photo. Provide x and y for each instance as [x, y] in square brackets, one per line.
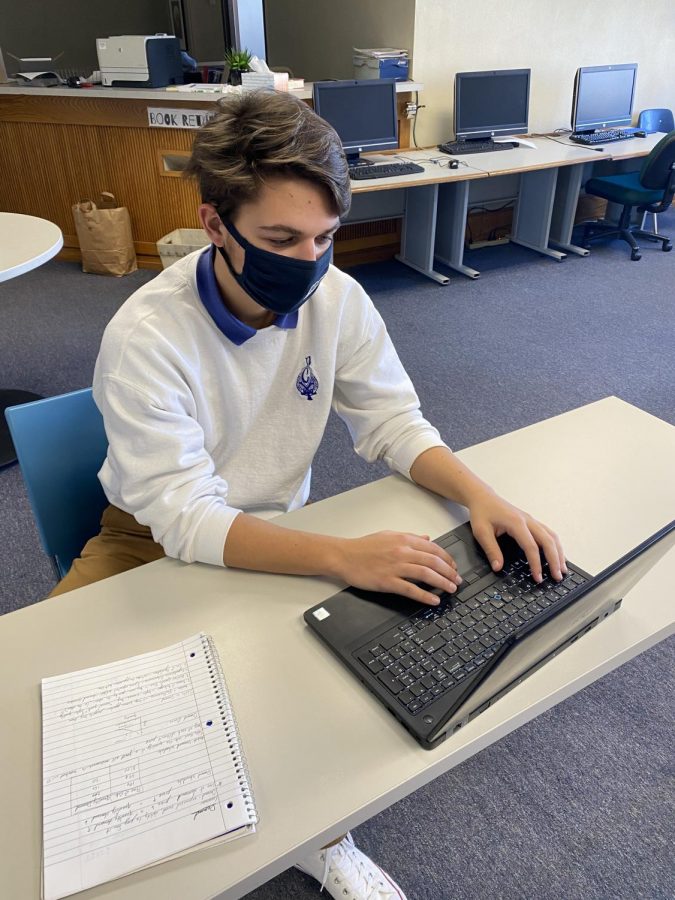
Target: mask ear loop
[221, 248]
[221, 218]
[228, 263]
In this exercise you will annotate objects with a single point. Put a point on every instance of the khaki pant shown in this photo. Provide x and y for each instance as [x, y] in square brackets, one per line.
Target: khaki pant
[122, 544]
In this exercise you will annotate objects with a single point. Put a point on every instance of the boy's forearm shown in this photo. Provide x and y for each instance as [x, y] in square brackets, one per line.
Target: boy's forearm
[262, 546]
[439, 470]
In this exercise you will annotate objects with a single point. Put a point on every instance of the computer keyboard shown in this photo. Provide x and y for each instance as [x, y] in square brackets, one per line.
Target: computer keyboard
[458, 148]
[437, 647]
[602, 137]
[386, 170]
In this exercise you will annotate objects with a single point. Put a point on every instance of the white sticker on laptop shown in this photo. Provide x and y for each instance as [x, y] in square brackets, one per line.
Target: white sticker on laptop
[321, 613]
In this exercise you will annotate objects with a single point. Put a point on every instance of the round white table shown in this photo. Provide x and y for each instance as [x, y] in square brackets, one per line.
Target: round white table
[26, 242]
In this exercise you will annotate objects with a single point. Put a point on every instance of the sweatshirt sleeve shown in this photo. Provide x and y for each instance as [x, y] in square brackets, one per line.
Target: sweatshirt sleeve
[159, 470]
[375, 397]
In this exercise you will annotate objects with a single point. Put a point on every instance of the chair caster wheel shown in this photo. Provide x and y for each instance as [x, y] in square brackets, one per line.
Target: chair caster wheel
[635, 256]
[667, 247]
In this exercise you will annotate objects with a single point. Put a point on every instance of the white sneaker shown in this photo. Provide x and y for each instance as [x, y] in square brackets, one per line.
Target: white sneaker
[348, 874]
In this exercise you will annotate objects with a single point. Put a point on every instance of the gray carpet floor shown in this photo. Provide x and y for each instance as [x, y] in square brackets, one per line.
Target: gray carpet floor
[578, 803]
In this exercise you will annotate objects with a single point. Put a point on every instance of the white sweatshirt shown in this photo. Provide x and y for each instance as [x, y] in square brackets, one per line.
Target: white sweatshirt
[207, 418]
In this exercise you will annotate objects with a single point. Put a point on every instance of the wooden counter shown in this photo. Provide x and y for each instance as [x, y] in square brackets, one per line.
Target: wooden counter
[61, 145]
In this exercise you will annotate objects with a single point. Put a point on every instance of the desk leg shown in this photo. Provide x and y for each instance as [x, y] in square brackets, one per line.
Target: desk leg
[451, 227]
[567, 191]
[532, 218]
[419, 229]
[10, 398]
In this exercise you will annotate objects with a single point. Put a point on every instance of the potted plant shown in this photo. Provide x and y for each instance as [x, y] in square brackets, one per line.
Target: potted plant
[237, 61]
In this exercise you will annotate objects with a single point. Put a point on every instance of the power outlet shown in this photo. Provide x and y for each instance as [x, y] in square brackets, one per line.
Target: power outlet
[476, 245]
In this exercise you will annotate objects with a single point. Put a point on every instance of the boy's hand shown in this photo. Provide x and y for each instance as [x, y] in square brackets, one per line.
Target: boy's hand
[391, 561]
[491, 516]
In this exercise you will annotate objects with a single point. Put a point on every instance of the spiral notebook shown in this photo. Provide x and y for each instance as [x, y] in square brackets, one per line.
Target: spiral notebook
[142, 762]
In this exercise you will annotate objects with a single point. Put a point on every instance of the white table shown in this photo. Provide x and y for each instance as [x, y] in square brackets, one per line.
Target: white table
[26, 242]
[320, 768]
[421, 227]
[437, 200]
[551, 173]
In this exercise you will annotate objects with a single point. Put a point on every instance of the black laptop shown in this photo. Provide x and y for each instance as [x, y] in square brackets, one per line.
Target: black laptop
[435, 668]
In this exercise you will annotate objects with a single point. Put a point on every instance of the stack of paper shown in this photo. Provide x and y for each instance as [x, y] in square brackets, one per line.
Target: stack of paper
[381, 53]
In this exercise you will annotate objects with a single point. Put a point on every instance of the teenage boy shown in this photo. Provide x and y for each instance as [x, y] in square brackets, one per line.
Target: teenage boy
[216, 379]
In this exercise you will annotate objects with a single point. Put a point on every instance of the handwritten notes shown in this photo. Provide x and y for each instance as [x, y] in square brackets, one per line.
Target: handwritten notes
[141, 762]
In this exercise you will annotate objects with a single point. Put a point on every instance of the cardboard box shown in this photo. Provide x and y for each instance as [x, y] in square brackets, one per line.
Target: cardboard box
[367, 67]
[179, 243]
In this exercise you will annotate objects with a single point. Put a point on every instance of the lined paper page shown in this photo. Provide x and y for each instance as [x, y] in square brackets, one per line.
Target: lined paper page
[137, 766]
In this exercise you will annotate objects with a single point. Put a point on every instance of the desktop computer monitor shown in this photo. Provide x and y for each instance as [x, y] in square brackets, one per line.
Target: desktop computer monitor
[603, 96]
[362, 112]
[491, 104]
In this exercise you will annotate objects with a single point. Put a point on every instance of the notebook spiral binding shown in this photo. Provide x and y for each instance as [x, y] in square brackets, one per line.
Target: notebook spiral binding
[230, 724]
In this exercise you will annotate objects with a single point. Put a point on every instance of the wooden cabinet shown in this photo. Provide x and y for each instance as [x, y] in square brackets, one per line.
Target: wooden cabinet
[59, 148]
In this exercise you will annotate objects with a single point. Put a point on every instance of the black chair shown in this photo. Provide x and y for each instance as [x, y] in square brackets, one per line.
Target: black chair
[649, 190]
[651, 121]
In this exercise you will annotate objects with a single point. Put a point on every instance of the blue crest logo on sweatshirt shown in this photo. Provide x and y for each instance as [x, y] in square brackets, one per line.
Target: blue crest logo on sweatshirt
[307, 383]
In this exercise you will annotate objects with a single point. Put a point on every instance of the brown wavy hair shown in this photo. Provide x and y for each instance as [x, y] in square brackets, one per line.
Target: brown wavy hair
[260, 135]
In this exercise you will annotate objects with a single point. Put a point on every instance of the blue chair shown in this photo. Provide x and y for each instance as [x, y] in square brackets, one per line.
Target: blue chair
[652, 120]
[650, 190]
[61, 445]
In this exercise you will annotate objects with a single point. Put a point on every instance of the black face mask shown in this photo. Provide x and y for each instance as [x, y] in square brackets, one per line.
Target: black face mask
[279, 283]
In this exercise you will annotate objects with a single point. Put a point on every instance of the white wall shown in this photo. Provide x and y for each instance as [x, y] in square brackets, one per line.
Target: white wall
[551, 37]
[315, 37]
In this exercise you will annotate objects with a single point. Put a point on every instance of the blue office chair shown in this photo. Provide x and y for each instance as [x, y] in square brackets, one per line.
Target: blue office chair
[653, 120]
[61, 444]
[650, 190]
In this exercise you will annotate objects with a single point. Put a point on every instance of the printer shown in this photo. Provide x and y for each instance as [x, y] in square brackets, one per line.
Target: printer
[132, 60]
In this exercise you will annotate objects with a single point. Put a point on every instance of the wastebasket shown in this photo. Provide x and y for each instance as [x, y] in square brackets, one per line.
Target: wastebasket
[179, 243]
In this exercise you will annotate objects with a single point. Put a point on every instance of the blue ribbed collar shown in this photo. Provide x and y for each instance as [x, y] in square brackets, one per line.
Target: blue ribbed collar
[209, 294]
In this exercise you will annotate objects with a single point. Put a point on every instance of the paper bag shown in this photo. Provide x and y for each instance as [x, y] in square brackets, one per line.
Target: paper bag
[104, 233]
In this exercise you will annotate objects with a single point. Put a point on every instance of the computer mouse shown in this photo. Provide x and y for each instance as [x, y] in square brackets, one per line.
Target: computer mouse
[640, 134]
[453, 164]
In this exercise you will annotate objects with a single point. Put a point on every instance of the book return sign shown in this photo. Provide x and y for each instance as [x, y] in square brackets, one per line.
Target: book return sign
[163, 117]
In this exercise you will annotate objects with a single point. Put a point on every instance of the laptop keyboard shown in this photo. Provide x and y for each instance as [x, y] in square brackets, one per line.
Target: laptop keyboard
[430, 653]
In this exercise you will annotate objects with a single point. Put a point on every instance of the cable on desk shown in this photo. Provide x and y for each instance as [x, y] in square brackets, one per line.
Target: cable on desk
[472, 165]
[549, 136]
[442, 161]
[565, 144]
[549, 133]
